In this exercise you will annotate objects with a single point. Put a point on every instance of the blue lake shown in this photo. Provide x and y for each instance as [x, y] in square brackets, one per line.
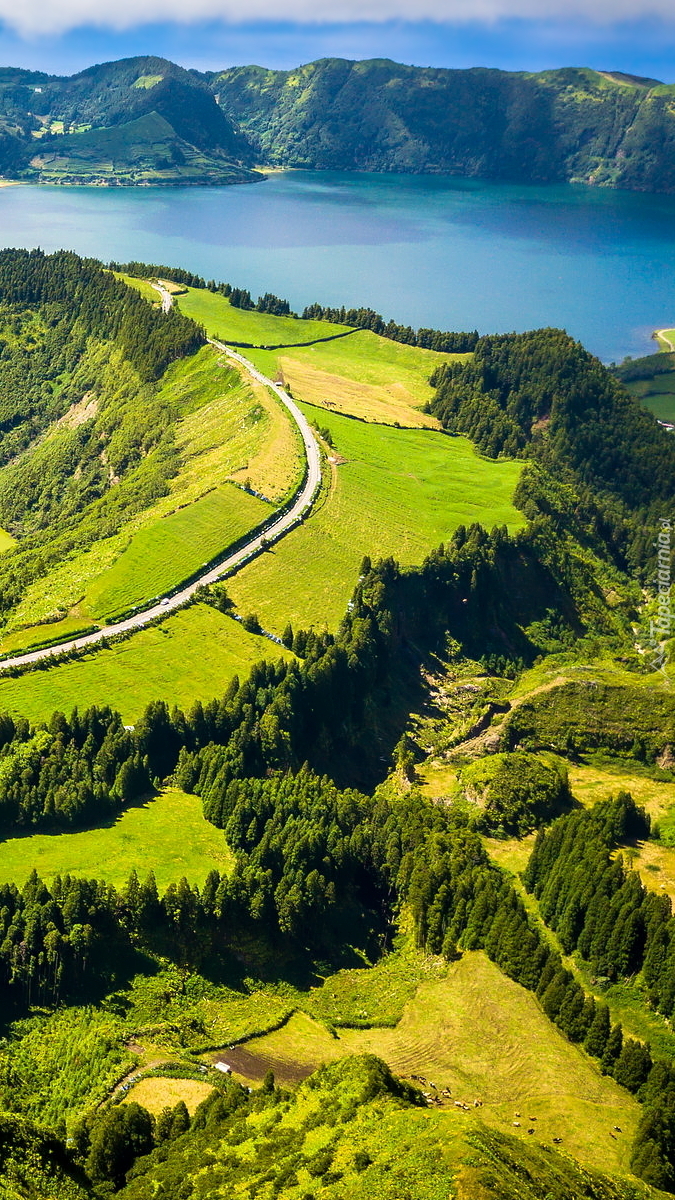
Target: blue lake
[447, 253]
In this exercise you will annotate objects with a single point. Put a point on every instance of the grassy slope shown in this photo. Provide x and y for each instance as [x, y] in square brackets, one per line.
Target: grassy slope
[230, 429]
[405, 1152]
[657, 394]
[399, 492]
[167, 835]
[170, 549]
[363, 375]
[230, 324]
[190, 656]
[484, 1037]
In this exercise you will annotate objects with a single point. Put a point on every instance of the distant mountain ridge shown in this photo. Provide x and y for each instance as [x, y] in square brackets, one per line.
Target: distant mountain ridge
[165, 124]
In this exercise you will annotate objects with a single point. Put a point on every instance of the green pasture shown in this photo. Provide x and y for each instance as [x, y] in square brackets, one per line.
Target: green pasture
[141, 285]
[393, 492]
[657, 394]
[229, 324]
[190, 656]
[476, 1032]
[167, 835]
[225, 429]
[362, 375]
[6, 541]
[163, 554]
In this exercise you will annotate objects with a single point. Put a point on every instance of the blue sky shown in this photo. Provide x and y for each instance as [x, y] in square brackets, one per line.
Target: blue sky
[82, 32]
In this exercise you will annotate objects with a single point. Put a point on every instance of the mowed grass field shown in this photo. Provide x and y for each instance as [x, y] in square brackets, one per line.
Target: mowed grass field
[172, 548]
[363, 375]
[393, 492]
[167, 835]
[484, 1037]
[231, 430]
[190, 656]
[657, 394]
[229, 324]
[156, 1094]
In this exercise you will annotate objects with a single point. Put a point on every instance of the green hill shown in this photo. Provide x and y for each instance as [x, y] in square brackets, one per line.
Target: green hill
[589, 126]
[147, 148]
[603, 128]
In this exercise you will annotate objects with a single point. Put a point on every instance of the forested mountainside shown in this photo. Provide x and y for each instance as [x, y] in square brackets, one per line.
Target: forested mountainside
[145, 119]
[381, 116]
[133, 121]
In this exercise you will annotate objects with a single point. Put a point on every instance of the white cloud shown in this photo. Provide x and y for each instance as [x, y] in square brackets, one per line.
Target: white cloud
[31, 17]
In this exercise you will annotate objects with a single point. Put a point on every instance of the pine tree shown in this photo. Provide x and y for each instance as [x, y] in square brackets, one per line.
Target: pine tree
[612, 1050]
[596, 1039]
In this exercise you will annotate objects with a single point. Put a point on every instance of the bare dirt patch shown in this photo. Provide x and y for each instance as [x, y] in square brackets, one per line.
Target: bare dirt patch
[253, 1065]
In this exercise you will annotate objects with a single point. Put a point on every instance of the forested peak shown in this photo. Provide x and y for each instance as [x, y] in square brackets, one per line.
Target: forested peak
[543, 394]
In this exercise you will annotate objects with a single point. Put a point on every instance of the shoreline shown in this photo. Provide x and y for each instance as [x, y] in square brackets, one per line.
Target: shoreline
[659, 335]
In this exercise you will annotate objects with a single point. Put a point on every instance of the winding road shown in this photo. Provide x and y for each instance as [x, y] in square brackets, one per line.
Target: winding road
[161, 607]
[660, 335]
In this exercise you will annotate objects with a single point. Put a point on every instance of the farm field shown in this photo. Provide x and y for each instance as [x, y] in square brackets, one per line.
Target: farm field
[229, 430]
[486, 1038]
[6, 541]
[391, 492]
[167, 835]
[362, 375]
[169, 550]
[156, 1094]
[228, 324]
[193, 655]
[657, 394]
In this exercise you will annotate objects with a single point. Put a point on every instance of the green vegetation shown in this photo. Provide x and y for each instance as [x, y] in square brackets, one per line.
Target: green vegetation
[651, 380]
[145, 150]
[636, 719]
[167, 835]
[363, 375]
[261, 875]
[389, 492]
[58, 1065]
[515, 792]
[145, 120]
[106, 530]
[229, 324]
[170, 550]
[582, 125]
[464, 1032]
[191, 656]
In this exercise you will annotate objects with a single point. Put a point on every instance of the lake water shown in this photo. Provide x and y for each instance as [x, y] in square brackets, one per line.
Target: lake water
[447, 253]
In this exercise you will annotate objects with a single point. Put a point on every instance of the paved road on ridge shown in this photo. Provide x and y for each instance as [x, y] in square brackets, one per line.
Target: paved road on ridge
[301, 505]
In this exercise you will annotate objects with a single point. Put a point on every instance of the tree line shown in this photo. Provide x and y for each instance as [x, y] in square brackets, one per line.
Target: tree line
[367, 318]
[104, 305]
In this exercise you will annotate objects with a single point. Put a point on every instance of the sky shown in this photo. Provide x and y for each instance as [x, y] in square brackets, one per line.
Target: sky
[64, 36]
